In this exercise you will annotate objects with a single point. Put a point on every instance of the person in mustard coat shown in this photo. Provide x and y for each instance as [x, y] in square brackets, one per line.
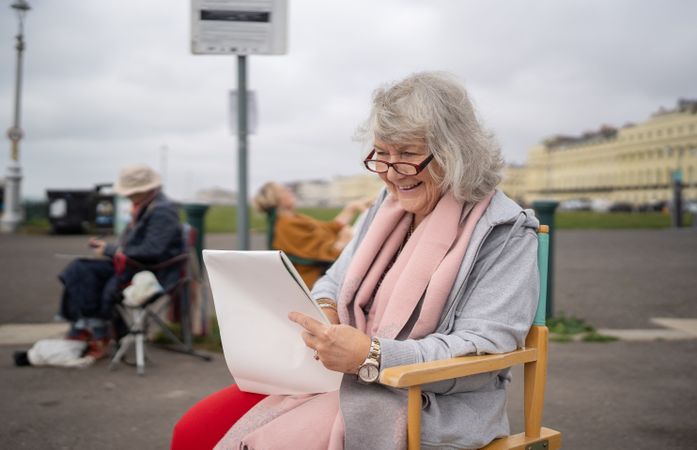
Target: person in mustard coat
[304, 237]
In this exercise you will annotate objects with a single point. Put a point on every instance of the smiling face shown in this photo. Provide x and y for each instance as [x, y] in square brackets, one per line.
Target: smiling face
[418, 193]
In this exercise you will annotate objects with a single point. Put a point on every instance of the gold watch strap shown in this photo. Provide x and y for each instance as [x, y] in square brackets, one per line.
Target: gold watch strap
[374, 353]
[326, 303]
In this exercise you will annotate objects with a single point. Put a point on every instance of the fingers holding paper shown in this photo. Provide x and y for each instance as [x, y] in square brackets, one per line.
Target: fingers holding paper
[341, 348]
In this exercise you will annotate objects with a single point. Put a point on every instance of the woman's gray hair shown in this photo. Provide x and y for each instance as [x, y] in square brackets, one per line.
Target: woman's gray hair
[433, 108]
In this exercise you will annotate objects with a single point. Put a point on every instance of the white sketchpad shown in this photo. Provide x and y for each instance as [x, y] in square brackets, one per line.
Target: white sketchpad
[253, 292]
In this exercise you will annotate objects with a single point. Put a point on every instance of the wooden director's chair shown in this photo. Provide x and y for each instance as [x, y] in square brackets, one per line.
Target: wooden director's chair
[533, 356]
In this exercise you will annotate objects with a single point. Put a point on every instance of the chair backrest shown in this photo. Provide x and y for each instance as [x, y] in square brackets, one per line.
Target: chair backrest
[535, 372]
[542, 265]
[533, 356]
[189, 235]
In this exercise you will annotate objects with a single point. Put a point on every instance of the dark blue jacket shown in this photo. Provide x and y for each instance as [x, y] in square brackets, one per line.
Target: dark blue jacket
[154, 237]
[91, 286]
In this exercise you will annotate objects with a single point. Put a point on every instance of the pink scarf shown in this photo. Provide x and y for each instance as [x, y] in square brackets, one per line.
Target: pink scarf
[429, 262]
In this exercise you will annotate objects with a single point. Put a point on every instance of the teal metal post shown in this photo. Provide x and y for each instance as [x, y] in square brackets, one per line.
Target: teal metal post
[195, 216]
[544, 210]
[543, 266]
[676, 216]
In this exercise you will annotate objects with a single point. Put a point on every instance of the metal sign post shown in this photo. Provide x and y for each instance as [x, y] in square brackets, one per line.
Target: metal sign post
[242, 207]
[239, 27]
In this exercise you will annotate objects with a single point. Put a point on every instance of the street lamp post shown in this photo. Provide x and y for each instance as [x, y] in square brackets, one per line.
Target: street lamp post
[12, 212]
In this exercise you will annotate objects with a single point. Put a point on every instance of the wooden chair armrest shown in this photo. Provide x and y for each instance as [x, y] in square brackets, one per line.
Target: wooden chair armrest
[446, 369]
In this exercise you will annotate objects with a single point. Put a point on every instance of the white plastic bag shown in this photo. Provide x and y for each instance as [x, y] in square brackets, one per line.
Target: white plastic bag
[59, 353]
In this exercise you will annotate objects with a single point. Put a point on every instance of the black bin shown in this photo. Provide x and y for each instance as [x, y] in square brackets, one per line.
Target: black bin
[81, 210]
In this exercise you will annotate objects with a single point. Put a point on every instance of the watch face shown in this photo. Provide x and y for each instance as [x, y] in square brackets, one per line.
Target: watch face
[369, 373]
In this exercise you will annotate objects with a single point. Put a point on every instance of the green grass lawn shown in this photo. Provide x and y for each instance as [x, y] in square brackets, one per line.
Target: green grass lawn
[223, 219]
[615, 220]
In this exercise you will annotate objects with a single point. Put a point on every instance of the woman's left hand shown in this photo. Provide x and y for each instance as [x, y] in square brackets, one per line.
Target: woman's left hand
[340, 347]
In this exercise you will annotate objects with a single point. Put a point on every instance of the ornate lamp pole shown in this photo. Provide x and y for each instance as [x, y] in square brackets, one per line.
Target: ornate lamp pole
[12, 213]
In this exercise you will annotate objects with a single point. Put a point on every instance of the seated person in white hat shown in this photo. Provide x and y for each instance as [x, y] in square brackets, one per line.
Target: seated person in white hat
[153, 236]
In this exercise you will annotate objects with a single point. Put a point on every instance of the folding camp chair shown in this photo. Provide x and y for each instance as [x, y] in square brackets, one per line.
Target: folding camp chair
[138, 318]
[533, 356]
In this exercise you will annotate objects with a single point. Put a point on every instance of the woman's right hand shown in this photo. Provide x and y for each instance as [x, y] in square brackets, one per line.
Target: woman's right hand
[339, 347]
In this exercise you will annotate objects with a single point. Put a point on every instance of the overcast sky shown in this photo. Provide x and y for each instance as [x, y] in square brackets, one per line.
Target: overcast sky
[108, 82]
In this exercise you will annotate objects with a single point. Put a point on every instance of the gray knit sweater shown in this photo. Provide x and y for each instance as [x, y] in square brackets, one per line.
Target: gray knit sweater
[489, 310]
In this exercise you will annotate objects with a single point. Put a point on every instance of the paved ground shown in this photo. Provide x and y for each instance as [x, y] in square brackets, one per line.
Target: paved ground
[619, 395]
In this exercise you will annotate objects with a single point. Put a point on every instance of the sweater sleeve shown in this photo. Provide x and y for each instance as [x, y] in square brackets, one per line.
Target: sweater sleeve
[494, 312]
[306, 237]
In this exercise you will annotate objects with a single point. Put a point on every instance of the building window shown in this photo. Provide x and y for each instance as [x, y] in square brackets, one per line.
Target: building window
[659, 133]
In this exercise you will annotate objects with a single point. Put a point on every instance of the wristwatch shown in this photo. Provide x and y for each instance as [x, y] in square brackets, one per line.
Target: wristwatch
[369, 371]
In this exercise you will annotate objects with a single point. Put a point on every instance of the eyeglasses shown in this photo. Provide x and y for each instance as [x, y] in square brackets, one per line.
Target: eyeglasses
[402, 168]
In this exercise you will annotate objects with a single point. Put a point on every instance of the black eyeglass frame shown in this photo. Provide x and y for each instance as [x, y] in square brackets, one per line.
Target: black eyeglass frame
[419, 167]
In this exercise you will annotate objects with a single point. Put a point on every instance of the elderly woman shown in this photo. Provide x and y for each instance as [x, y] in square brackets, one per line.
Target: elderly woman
[313, 244]
[444, 265]
[91, 285]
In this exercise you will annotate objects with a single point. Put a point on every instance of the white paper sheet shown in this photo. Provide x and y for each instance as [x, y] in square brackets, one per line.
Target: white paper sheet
[253, 292]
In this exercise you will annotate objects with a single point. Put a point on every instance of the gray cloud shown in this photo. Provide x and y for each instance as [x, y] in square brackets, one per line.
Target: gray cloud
[108, 83]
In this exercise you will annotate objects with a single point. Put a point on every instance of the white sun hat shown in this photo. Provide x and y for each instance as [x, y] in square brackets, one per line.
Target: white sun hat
[135, 179]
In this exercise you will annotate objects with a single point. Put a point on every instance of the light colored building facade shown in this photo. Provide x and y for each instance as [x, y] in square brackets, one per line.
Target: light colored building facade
[312, 192]
[337, 191]
[217, 196]
[513, 182]
[355, 187]
[634, 164]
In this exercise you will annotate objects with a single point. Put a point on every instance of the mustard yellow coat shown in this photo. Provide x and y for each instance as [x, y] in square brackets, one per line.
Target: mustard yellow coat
[309, 238]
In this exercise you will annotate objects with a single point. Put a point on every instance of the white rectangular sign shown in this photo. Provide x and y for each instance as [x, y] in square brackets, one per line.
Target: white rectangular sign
[239, 27]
